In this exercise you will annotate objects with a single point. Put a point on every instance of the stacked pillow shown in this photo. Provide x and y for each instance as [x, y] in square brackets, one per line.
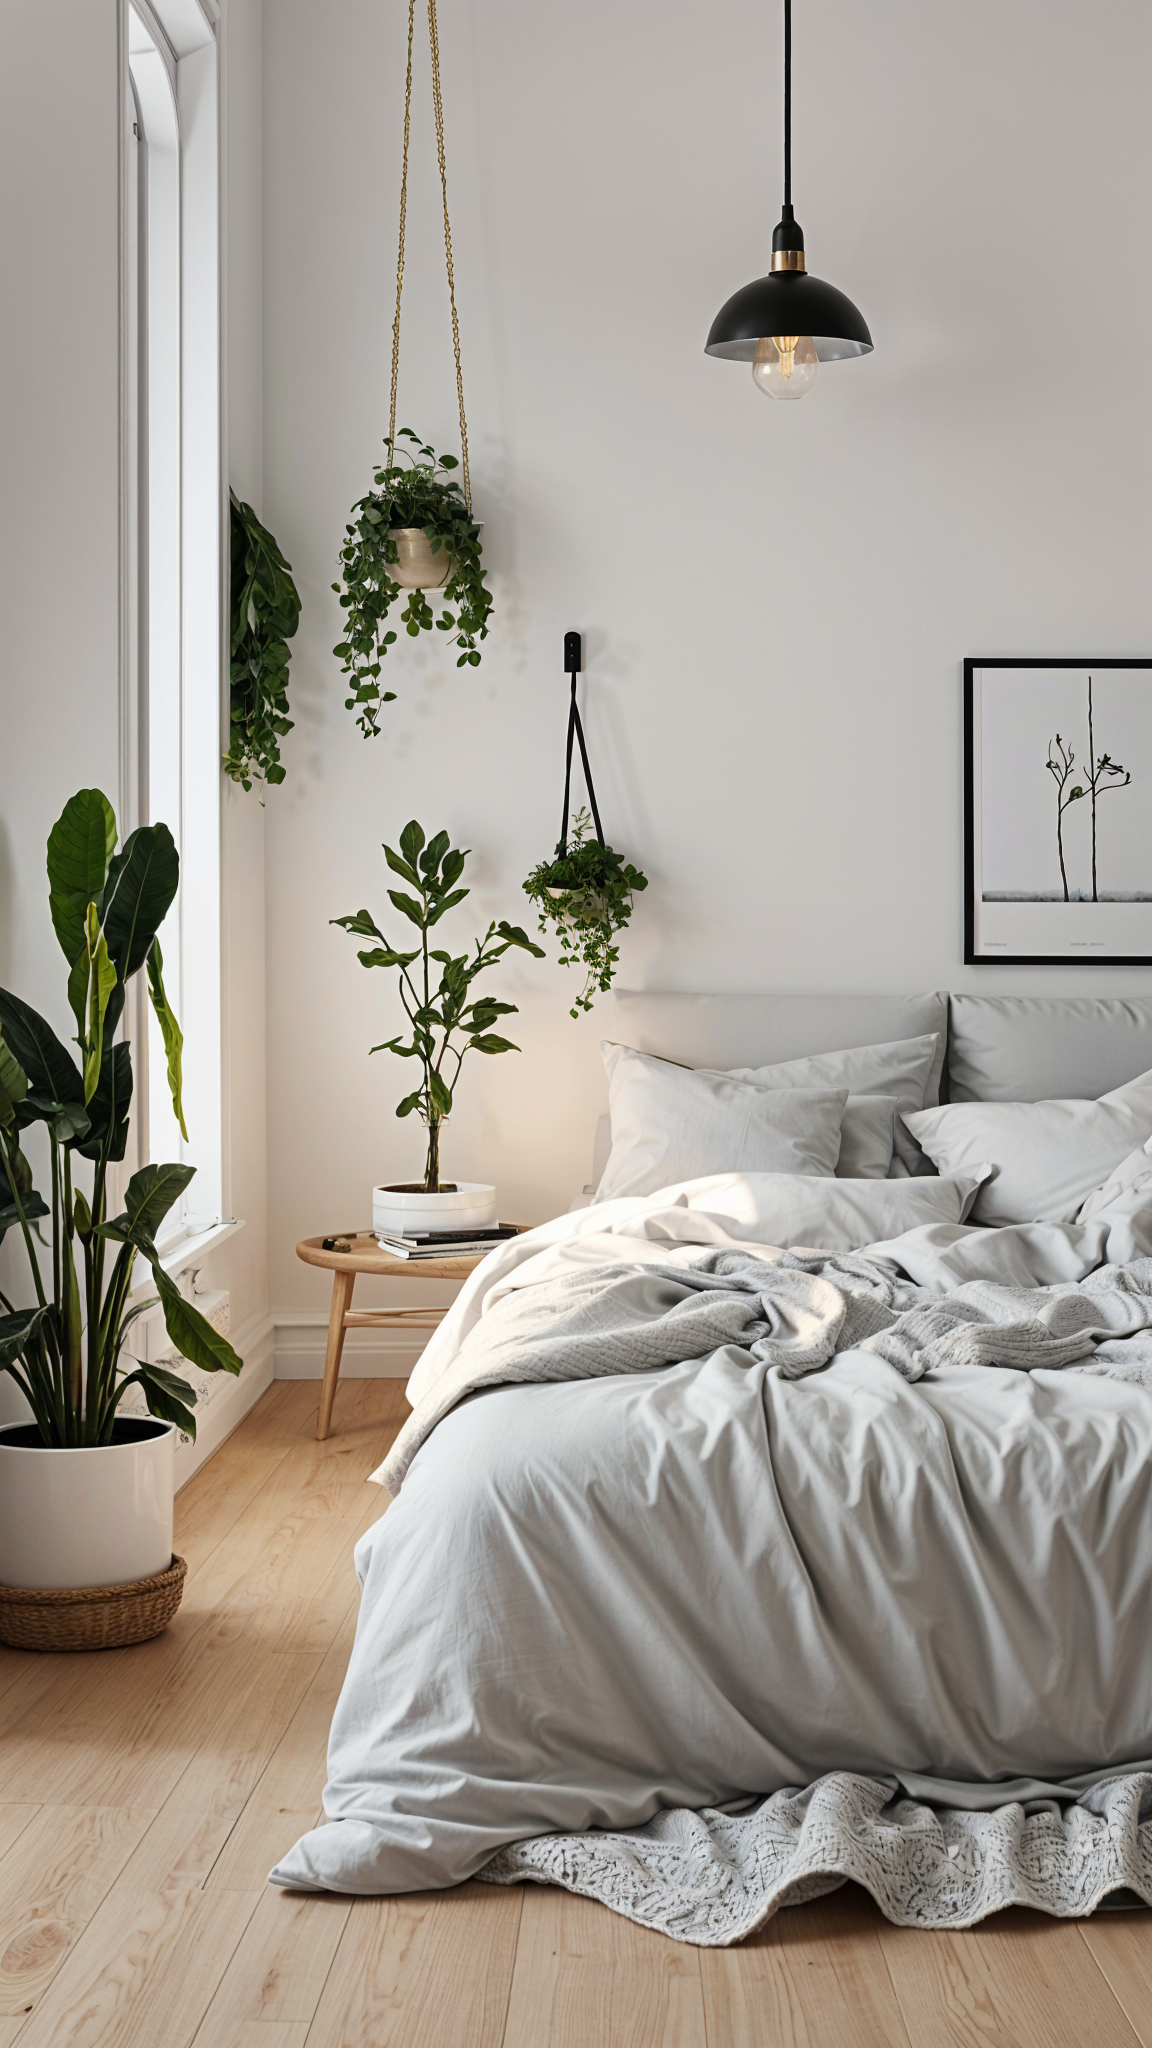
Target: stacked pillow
[1047, 1157]
[833, 1114]
[857, 1117]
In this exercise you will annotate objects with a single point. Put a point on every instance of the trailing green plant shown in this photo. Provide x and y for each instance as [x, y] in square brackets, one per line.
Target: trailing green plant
[64, 1351]
[265, 612]
[586, 892]
[446, 1020]
[412, 489]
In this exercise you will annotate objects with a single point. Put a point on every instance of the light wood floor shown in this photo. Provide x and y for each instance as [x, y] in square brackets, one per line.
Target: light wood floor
[145, 1793]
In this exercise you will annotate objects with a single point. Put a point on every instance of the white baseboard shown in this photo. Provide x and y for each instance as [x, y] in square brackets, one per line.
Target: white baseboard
[254, 1342]
[301, 1338]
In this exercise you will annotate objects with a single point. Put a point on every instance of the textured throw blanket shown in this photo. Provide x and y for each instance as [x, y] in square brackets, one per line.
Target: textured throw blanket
[794, 1310]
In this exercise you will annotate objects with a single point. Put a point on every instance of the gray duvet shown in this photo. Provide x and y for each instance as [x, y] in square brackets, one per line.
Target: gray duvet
[717, 1575]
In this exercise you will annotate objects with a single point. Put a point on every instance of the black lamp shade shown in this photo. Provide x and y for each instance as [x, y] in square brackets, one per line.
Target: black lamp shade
[788, 302]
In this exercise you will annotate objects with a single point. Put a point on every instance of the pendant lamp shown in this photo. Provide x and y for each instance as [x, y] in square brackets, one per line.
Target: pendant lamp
[787, 324]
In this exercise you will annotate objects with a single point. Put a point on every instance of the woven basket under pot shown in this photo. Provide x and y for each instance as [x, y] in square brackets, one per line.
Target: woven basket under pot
[93, 1618]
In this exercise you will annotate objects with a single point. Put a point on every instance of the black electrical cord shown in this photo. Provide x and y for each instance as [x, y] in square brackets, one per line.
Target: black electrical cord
[787, 103]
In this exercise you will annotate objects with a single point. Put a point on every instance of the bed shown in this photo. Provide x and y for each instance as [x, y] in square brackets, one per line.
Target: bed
[761, 1528]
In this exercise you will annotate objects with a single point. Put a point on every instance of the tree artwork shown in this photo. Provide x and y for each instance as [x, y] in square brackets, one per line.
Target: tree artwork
[1061, 761]
[1102, 777]
[1098, 783]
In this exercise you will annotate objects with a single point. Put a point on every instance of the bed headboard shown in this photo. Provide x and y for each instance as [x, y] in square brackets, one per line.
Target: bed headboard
[997, 1048]
[757, 1031]
[1030, 1048]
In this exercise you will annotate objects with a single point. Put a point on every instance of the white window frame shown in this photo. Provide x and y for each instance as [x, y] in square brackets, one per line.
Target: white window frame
[174, 528]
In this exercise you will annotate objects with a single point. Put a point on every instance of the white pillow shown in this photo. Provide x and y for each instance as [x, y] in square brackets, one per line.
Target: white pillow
[673, 1124]
[902, 1067]
[827, 1215]
[1047, 1157]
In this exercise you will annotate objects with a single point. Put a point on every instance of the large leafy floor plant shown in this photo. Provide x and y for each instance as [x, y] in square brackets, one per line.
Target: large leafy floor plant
[414, 489]
[65, 1350]
[446, 1021]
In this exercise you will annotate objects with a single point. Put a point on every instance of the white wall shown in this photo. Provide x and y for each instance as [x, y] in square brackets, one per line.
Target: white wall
[776, 600]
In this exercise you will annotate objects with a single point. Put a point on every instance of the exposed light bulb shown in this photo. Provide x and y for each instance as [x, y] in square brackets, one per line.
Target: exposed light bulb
[785, 365]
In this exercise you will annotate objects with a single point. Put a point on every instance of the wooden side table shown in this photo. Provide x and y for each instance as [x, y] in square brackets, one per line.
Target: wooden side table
[366, 1256]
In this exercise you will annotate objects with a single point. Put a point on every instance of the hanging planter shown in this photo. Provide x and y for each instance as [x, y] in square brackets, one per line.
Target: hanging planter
[585, 891]
[415, 530]
[419, 565]
[413, 533]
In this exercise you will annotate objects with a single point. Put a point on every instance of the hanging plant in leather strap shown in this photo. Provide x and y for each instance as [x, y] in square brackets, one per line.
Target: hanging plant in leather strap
[586, 889]
[414, 531]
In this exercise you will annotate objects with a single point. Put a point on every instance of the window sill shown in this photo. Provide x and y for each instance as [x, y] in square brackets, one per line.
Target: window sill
[182, 1252]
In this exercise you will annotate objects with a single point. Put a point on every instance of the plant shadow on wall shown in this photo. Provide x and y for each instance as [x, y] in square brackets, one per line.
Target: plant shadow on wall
[446, 1019]
[64, 1350]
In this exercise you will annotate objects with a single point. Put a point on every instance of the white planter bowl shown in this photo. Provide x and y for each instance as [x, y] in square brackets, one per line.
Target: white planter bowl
[72, 1519]
[472, 1207]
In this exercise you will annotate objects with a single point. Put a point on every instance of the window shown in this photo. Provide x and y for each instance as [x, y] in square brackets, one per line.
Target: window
[172, 712]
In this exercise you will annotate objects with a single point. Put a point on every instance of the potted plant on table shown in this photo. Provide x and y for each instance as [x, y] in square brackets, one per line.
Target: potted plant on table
[414, 532]
[446, 1021]
[86, 1493]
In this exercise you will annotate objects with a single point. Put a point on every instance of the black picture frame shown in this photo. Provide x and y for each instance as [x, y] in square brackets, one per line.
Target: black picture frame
[976, 952]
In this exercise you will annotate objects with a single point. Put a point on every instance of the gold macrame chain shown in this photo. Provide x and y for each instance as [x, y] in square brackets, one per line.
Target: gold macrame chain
[400, 253]
[435, 43]
[438, 111]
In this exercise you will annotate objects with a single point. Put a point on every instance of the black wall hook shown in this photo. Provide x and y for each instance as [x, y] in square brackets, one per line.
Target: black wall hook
[573, 656]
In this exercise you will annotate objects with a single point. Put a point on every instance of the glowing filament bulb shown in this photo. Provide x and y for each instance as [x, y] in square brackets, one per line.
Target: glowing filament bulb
[785, 365]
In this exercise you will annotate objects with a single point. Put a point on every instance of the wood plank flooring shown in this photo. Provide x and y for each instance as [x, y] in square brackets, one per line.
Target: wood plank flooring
[145, 1793]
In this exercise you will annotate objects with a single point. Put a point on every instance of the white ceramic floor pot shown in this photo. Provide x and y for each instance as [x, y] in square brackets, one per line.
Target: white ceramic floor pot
[417, 568]
[85, 1518]
[470, 1206]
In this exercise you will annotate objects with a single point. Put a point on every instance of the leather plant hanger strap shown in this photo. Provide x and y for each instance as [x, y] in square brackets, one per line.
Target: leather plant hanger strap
[575, 728]
[438, 112]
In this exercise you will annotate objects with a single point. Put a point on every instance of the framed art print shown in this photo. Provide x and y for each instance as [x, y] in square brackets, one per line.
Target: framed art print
[1058, 811]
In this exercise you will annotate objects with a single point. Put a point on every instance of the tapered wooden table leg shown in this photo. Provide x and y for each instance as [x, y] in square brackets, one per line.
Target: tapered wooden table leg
[342, 1285]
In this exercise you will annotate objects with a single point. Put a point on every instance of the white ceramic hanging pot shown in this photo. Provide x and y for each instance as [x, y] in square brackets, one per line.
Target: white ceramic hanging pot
[84, 1518]
[471, 1205]
[417, 568]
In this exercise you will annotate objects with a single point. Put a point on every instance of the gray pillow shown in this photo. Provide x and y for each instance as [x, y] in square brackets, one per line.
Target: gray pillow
[904, 1068]
[672, 1124]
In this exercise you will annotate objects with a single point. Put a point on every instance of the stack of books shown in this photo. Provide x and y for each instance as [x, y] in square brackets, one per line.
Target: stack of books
[444, 1244]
